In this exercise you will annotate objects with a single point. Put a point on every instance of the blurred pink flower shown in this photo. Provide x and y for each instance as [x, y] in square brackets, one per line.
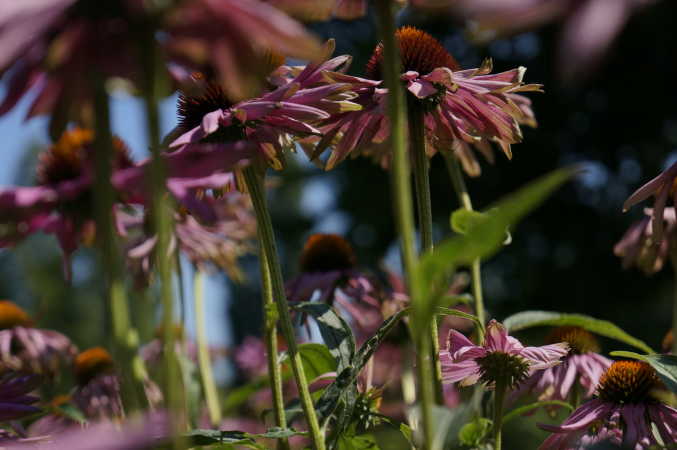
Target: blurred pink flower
[321, 10]
[588, 30]
[623, 413]
[462, 109]
[639, 246]
[500, 357]
[250, 356]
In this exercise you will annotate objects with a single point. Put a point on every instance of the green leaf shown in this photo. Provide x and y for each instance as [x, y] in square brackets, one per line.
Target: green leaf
[481, 240]
[369, 347]
[356, 442]
[72, 412]
[335, 331]
[199, 437]
[474, 433]
[441, 311]
[528, 319]
[665, 366]
[316, 359]
[531, 406]
[462, 220]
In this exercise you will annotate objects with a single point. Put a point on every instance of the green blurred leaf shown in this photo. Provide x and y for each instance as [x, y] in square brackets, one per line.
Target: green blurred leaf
[316, 359]
[528, 319]
[531, 406]
[72, 412]
[665, 366]
[335, 331]
[462, 220]
[199, 437]
[474, 433]
[356, 442]
[481, 240]
[441, 311]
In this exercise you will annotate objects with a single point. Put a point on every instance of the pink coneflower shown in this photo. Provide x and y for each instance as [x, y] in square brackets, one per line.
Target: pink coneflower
[61, 203]
[462, 109]
[499, 358]
[15, 401]
[321, 10]
[329, 274]
[30, 350]
[663, 188]
[640, 247]
[623, 413]
[579, 371]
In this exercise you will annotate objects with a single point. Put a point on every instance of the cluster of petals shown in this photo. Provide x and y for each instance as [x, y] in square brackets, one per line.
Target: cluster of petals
[321, 10]
[640, 247]
[628, 425]
[15, 401]
[476, 108]
[460, 359]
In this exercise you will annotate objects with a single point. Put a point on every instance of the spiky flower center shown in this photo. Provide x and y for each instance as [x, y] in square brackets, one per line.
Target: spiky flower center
[204, 97]
[627, 382]
[91, 363]
[505, 368]
[419, 52]
[579, 340]
[327, 252]
[12, 316]
[68, 157]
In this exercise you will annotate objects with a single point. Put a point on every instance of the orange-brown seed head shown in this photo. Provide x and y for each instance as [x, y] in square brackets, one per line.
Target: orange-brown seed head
[91, 363]
[627, 382]
[12, 316]
[579, 339]
[327, 252]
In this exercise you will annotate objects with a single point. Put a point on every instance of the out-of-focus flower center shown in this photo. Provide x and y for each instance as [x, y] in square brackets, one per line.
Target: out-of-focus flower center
[91, 363]
[504, 367]
[68, 157]
[419, 52]
[579, 340]
[668, 339]
[627, 382]
[205, 97]
[327, 252]
[12, 316]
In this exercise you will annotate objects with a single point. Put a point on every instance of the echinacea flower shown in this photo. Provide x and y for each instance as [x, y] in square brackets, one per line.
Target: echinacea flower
[329, 274]
[53, 47]
[500, 358]
[30, 350]
[580, 370]
[640, 247]
[15, 399]
[588, 30]
[624, 413]
[462, 109]
[62, 202]
[663, 188]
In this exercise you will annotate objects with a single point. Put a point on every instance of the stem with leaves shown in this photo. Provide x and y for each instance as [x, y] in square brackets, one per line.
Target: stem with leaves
[270, 318]
[397, 113]
[125, 338]
[211, 394]
[458, 181]
[254, 180]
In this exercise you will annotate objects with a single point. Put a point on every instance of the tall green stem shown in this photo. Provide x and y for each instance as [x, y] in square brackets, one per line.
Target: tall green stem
[397, 113]
[270, 318]
[425, 221]
[211, 394]
[458, 181]
[499, 397]
[125, 339]
[254, 182]
[162, 223]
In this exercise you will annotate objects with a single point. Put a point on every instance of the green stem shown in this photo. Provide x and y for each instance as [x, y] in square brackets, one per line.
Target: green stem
[211, 394]
[270, 318]
[397, 113]
[162, 225]
[125, 339]
[458, 181]
[254, 182]
[425, 222]
[499, 397]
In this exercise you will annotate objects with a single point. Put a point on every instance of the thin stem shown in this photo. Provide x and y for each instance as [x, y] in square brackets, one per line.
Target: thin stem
[425, 223]
[211, 394]
[255, 187]
[125, 339]
[674, 305]
[397, 114]
[458, 181]
[162, 224]
[499, 397]
[270, 318]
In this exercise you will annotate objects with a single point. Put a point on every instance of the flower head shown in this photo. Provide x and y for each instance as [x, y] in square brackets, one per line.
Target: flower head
[640, 245]
[15, 401]
[27, 349]
[500, 358]
[329, 273]
[583, 366]
[623, 413]
[462, 109]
